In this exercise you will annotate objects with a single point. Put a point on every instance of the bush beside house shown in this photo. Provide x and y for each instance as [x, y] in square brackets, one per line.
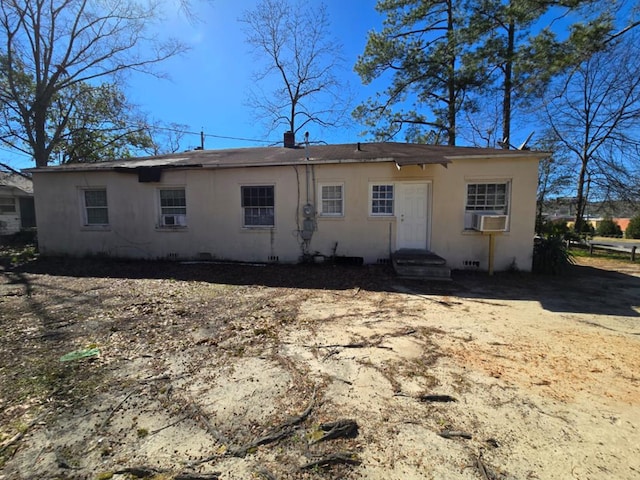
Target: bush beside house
[633, 229]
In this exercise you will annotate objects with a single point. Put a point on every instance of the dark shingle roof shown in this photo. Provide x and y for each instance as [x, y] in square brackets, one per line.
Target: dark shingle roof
[400, 153]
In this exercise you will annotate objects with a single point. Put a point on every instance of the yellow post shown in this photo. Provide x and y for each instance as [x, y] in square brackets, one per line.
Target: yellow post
[492, 244]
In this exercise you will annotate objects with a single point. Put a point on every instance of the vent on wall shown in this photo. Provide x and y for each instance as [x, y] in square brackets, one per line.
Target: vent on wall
[273, 258]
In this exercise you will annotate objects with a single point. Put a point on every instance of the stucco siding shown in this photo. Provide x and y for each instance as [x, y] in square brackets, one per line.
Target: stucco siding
[214, 215]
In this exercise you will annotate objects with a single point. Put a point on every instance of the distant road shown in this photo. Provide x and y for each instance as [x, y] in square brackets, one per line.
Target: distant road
[615, 242]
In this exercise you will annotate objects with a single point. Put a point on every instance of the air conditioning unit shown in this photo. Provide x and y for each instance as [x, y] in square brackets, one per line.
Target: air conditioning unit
[174, 220]
[489, 223]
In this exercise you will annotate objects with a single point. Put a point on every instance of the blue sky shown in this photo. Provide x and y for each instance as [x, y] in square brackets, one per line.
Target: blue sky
[210, 83]
[206, 87]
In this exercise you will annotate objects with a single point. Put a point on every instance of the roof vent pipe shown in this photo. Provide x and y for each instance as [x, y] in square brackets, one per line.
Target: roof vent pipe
[306, 145]
[289, 139]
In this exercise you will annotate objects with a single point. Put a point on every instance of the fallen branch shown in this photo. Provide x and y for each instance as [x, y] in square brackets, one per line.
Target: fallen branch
[280, 432]
[139, 472]
[16, 438]
[144, 472]
[197, 476]
[182, 419]
[437, 398]
[106, 420]
[346, 458]
[455, 434]
[337, 429]
[157, 378]
[481, 468]
[265, 474]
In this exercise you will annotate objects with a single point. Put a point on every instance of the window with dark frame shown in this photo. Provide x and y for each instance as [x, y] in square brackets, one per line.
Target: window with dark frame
[382, 200]
[7, 205]
[258, 205]
[96, 209]
[332, 200]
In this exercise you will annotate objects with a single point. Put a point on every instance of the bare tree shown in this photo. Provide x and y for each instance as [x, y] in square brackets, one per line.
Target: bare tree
[301, 54]
[59, 44]
[167, 138]
[595, 114]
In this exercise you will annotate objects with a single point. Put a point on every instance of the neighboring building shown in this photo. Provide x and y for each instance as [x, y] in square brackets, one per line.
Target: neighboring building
[17, 211]
[623, 223]
[284, 204]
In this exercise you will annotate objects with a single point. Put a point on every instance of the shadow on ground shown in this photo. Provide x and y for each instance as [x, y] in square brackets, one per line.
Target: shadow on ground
[582, 289]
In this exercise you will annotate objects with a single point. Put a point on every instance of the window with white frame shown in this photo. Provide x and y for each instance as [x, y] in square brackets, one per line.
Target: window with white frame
[7, 205]
[382, 199]
[332, 200]
[258, 206]
[95, 207]
[173, 207]
[491, 198]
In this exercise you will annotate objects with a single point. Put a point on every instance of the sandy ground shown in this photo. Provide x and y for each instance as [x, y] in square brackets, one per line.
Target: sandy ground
[210, 374]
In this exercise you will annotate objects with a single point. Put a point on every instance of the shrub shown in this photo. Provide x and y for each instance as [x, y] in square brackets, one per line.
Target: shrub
[633, 229]
[550, 255]
[553, 228]
[609, 228]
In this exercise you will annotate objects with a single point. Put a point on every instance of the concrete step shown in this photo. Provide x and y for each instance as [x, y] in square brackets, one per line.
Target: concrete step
[426, 272]
[421, 264]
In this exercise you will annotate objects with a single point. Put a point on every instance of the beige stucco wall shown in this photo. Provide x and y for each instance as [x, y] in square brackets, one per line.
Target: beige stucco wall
[214, 213]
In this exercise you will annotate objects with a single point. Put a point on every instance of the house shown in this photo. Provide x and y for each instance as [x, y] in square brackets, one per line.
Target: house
[17, 211]
[283, 204]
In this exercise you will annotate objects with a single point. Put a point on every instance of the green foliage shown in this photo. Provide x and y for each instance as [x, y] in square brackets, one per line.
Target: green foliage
[633, 229]
[101, 125]
[609, 228]
[553, 229]
[444, 58]
[550, 255]
[59, 92]
[586, 231]
[421, 47]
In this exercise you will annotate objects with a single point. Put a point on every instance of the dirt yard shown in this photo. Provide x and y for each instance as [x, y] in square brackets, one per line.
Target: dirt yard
[317, 372]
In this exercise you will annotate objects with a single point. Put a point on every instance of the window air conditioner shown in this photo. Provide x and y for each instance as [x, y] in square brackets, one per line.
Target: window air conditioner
[489, 223]
[174, 220]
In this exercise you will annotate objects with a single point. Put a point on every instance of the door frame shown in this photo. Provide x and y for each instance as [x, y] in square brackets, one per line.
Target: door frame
[428, 210]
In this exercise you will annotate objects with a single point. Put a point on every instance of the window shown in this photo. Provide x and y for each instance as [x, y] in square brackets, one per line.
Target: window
[258, 205]
[173, 207]
[381, 200]
[331, 200]
[95, 203]
[7, 205]
[487, 198]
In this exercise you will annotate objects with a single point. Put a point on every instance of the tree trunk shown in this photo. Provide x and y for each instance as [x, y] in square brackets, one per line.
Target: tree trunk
[40, 148]
[580, 196]
[508, 86]
[451, 82]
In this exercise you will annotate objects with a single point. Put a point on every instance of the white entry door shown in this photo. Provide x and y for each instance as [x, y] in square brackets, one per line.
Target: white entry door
[412, 215]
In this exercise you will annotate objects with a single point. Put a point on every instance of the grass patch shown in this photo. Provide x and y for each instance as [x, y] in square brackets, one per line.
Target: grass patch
[622, 257]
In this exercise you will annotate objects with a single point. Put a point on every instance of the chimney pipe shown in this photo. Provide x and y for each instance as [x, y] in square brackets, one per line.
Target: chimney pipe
[289, 139]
